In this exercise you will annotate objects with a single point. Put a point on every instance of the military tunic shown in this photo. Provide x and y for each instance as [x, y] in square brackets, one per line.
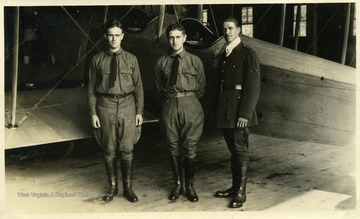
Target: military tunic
[182, 116]
[116, 107]
[239, 87]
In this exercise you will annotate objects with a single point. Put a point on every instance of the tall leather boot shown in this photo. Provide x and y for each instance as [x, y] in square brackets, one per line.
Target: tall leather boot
[127, 174]
[189, 180]
[235, 171]
[111, 172]
[177, 170]
[240, 196]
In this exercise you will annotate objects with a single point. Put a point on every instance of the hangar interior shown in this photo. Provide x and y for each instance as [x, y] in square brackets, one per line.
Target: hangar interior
[303, 153]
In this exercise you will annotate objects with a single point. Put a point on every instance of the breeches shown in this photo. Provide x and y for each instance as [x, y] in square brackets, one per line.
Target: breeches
[182, 121]
[237, 141]
[116, 136]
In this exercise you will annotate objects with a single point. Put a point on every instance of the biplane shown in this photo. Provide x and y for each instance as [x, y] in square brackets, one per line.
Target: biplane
[303, 97]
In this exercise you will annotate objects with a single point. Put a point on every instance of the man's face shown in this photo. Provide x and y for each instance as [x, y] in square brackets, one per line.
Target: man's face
[114, 36]
[176, 40]
[230, 31]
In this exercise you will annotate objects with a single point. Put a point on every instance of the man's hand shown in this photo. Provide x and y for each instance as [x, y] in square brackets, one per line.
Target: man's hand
[95, 122]
[138, 120]
[242, 122]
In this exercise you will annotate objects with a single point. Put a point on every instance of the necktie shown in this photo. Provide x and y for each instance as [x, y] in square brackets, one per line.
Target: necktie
[174, 71]
[113, 71]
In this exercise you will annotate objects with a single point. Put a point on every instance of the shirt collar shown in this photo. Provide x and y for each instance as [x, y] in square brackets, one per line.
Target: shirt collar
[111, 53]
[181, 54]
[232, 45]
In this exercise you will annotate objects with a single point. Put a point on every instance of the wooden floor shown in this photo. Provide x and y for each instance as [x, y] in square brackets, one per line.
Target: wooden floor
[308, 179]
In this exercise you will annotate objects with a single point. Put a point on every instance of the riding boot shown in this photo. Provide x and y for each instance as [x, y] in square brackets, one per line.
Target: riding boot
[240, 196]
[177, 170]
[182, 174]
[189, 180]
[111, 172]
[235, 182]
[127, 176]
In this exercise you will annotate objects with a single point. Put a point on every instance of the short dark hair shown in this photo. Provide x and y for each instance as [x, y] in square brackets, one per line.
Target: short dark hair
[232, 19]
[175, 26]
[112, 23]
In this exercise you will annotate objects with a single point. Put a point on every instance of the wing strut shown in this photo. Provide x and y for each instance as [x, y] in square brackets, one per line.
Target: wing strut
[106, 14]
[346, 33]
[15, 68]
[200, 9]
[80, 28]
[282, 25]
[161, 20]
[213, 17]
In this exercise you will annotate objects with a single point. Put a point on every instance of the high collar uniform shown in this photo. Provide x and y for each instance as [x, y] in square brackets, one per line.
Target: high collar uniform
[240, 69]
[239, 88]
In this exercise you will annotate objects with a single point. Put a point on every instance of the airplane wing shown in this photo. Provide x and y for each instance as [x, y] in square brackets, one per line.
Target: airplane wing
[62, 116]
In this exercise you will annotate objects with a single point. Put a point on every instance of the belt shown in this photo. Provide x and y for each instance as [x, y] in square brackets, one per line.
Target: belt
[115, 96]
[180, 94]
[230, 87]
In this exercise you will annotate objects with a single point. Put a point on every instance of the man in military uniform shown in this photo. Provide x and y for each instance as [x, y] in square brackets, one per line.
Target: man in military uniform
[180, 79]
[116, 103]
[239, 89]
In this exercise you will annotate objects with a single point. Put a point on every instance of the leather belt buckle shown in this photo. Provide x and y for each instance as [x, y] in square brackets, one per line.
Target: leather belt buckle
[237, 87]
[180, 94]
[116, 96]
[230, 87]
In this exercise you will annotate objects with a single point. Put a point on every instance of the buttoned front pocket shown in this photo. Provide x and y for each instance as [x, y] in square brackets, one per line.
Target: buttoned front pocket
[126, 79]
[189, 78]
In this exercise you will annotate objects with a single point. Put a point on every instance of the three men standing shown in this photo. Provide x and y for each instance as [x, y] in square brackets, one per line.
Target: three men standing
[239, 89]
[116, 106]
[180, 78]
[116, 103]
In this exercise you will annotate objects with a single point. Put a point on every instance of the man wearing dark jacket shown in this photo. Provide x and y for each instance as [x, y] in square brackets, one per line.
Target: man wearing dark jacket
[239, 89]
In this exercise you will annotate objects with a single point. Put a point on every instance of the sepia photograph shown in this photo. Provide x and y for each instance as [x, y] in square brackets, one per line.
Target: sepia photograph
[179, 109]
